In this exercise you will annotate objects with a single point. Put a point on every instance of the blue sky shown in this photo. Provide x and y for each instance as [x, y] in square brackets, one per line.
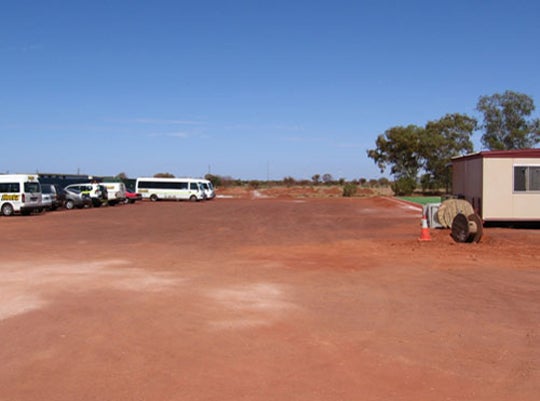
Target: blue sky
[248, 89]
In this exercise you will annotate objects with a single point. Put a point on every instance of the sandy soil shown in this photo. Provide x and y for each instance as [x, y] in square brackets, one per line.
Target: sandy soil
[265, 299]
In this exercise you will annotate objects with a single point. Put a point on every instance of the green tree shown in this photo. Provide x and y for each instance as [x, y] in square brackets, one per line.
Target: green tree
[214, 179]
[506, 121]
[289, 181]
[163, 175]
[399, 148]
[316, 179]
[327, 178]
[445, 138]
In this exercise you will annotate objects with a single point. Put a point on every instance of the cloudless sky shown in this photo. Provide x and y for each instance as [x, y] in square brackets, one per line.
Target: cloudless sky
[248, 89]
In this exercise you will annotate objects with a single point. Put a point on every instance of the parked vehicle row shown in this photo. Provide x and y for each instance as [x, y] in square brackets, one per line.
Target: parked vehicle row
[24, 194]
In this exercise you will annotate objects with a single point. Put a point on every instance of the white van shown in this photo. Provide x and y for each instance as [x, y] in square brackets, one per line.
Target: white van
[169, 189]
[116, 192]
[19, 193]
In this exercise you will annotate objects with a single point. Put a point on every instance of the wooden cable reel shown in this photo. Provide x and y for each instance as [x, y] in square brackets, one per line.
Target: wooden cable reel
[467, 228]
[450, 208]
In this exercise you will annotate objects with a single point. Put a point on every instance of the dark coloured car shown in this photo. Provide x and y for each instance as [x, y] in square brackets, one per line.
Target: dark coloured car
[76, 199]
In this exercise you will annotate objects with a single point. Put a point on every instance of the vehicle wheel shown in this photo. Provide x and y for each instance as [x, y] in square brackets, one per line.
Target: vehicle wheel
[70, 204]
[7, 209]
[96, 203]
[193, 198]
[153, 198]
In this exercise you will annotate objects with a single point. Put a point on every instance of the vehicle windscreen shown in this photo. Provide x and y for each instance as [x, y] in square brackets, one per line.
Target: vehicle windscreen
[32, 187]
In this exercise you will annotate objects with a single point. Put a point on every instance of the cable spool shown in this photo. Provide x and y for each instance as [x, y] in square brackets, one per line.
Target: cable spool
[450, 208]
[467, 229]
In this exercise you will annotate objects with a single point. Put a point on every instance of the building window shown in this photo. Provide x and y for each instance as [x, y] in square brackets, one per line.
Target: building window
[526, 178]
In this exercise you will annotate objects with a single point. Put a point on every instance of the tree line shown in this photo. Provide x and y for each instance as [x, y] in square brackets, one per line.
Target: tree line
[316, 180]
[416, 154]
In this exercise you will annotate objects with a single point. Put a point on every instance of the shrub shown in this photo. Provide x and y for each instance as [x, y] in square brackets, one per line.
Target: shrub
[289, 181]
[404, 186]
[214, 179]
[349, 189]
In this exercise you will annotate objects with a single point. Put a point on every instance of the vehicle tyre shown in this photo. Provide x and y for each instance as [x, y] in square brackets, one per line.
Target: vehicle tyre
[193, 198]
[7, 209]
[70, 204]
[153, 197]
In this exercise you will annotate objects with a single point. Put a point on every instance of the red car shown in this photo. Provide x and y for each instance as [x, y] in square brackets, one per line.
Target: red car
[132, 197]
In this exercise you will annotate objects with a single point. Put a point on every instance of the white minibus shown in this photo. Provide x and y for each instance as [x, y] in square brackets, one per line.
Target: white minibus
[169, 189]
[19, 193]
[208, 189]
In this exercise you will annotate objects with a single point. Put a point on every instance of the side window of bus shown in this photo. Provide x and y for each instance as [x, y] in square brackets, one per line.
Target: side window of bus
[193, 186]
[10, 187]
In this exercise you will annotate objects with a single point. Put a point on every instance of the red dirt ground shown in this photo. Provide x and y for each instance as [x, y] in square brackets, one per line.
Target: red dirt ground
[265, 299]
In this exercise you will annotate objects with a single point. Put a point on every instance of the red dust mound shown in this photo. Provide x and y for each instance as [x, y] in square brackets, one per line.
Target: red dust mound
[295, 192]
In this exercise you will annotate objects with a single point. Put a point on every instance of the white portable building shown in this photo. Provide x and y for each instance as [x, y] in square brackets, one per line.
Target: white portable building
[500, 185]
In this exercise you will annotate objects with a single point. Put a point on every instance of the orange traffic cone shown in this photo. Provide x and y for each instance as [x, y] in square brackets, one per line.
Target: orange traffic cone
[424, 235]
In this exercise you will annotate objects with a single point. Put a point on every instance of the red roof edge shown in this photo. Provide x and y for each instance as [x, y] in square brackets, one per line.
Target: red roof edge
[501, 154]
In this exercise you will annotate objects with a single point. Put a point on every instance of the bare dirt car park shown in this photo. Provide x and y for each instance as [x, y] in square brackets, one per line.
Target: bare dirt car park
[265, 298]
